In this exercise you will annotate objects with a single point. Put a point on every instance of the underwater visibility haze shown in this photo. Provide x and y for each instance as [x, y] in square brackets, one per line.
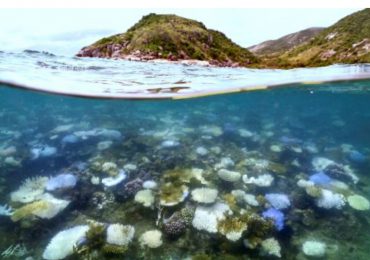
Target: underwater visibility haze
[278, 173]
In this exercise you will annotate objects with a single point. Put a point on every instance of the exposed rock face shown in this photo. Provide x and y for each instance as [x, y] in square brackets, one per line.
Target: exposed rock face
[172, 38]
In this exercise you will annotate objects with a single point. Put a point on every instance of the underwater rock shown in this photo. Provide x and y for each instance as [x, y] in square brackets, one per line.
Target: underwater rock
[121, 235]
[329, 200]
[229, 176]
[113, 181]
[276, 215]
[61, 181]
[63, 243]
[151, 239]
[204, 195]
[145, 197]
[278, 201]
[207, 217]
[358, 202]
[314, 248]
[271, 246]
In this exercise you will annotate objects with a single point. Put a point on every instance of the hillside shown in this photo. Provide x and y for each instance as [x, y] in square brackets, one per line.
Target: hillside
[347, 41]
[173, 38]
[285, 43]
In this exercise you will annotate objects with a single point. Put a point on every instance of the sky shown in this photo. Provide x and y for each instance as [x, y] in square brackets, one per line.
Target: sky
[65, 31]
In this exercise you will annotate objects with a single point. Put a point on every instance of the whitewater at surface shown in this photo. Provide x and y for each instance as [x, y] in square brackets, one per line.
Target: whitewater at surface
[93, 77]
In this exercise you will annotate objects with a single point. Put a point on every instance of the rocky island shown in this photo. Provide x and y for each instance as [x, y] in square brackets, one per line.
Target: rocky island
[177, 39]
[173, 38]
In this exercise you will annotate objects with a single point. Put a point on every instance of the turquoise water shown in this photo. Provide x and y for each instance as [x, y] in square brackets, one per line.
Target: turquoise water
[170, 149]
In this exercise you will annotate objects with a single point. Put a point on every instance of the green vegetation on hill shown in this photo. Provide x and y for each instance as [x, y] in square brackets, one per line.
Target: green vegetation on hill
[285, 43]
[347, 41]
[171, 37]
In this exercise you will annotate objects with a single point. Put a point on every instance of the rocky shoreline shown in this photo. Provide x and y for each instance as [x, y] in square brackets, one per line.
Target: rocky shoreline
[114, 51]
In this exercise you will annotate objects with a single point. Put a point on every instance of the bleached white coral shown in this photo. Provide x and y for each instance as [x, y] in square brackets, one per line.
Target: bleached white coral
[271, 247]
[6, 210]
[304, 183]
[16, 251]
[121, 235]
[62, 244]
[145, 197]
[30, 190]
[152, 185]
[242, 196]
[114, 180]
[329, 200]
[204, 195]
[358, 202]
[224, 163]
[207, 217]
[277, 200]
[201, 151]
[230, 176]
[52, 207]
[258, 165]
[322, 163]
[151, 239]
[264, 180]
[314, 248]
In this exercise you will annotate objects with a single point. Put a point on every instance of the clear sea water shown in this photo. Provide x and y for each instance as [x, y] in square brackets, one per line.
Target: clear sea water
[280, 132]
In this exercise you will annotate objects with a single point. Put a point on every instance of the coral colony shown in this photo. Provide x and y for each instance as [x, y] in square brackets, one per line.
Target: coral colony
[177, 184]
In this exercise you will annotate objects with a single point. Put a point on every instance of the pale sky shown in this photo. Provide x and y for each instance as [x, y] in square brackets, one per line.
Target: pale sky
[65, 31]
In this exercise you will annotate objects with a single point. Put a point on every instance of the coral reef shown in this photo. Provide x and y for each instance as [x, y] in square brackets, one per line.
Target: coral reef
[151, 239]
[63, 243]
